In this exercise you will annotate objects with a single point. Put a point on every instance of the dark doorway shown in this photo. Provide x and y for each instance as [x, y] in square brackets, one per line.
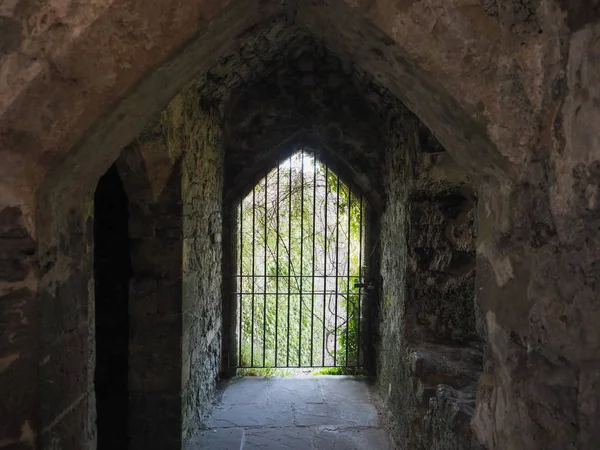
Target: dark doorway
[112, 270]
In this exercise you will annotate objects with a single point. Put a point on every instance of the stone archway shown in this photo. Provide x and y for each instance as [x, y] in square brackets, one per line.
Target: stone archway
[236, 21]
[509, 90]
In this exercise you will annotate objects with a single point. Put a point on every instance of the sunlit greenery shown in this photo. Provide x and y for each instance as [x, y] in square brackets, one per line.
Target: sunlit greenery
[298, 221]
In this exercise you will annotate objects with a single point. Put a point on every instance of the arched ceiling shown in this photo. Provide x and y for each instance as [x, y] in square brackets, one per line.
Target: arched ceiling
[305, 96]
[78, 80]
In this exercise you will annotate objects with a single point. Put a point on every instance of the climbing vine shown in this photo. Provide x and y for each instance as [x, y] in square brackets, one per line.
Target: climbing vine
[299, 256]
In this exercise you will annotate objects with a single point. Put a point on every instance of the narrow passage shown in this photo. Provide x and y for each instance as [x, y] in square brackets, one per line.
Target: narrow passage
[316, 413]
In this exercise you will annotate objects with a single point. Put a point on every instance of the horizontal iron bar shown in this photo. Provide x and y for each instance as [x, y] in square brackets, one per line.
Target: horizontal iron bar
[256, 255]
[299, 367]
[300, 293]
[296, 276]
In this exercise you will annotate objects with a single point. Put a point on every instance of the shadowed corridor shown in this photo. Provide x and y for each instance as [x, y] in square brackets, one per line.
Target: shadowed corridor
[194, 190]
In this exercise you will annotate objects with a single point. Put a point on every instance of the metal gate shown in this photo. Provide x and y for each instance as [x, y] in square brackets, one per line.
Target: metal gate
[299, 270]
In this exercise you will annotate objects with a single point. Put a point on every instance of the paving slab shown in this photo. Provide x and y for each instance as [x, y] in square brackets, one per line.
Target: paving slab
[246, 390]
[339, 414]
[258, 415]
[218, 438]
[345, 389]
[286, 413]
[294, 390]
[292, 438]
[335, 438]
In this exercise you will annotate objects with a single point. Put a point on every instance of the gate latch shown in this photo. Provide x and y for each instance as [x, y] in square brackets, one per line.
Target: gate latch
[368, 287]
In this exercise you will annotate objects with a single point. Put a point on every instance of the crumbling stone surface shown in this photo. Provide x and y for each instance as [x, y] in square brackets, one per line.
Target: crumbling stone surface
[175, 254]
[393, 369]
[444, 384]
[311, 99]
[18, 324]
[196, 132]
[173, 172]
[283, 90]
[509, 88]
[428, 298]
[18, 247]
[66, 351]
[446, 364]
[448, 420]
[441, 276]
[152, 181]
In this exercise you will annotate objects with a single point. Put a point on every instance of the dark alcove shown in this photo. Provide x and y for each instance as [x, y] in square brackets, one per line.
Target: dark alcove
[112, 270]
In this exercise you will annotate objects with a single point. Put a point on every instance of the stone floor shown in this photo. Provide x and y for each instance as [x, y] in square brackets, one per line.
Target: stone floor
[304, 413]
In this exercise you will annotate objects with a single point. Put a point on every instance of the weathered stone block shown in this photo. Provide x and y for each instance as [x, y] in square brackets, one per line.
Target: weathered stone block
[19, 393]
[63, 374]
[17, 248]
[155, 421]
[155, 358]
[69, 430]
[18, 322]
[65, 308]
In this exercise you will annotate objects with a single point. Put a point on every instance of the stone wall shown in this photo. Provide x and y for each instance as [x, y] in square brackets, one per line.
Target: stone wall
[152, 180]
[392, 368]
[441, 270]
[68, 339]
[445, 351]
[510, 88]
[172, 176]
[311, 98]
[18, 322]
[429, 356]
[194, 128]
[66, 358]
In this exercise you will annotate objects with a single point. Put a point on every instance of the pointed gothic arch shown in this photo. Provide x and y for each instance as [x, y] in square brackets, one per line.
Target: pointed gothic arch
[500, 86]
[318, 265]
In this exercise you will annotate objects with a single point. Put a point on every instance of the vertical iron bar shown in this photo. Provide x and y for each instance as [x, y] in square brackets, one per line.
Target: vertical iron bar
[337, 260]
[360, 263]
[241, 231]
[265, 278]
[253, 274]
[348, 303]
[353, 310]
[314, 235]
[325, 264]
[277, 269]
[301, 253]
[289, 263]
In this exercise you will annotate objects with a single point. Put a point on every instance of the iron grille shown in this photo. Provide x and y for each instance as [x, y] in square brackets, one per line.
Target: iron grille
[299, 271]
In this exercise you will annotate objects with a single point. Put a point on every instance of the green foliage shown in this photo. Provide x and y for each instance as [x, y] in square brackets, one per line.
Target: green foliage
[298, 221]
[338, 371]
[265, 372]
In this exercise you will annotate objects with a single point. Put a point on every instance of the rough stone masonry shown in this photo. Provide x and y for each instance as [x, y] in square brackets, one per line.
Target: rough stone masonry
[470, 126]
